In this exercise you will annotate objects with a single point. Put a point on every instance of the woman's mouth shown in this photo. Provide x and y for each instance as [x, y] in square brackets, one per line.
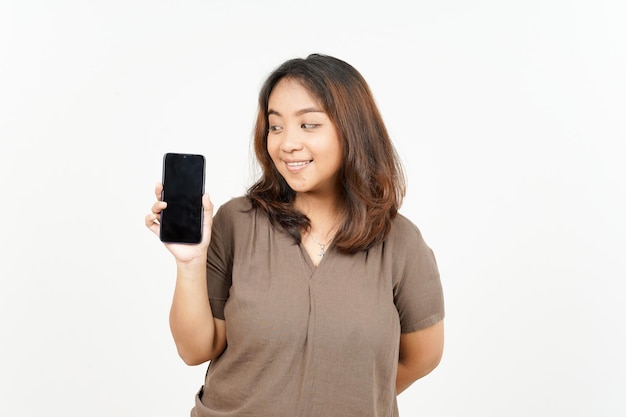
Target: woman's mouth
[296, 166]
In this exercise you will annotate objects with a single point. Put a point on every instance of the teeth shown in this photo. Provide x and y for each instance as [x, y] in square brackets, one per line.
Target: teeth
[297, 164]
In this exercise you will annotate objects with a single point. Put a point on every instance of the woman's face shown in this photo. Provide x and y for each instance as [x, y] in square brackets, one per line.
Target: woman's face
[302, 141]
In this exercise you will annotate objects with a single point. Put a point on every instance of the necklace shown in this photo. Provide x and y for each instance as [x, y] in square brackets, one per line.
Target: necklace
[321, 245]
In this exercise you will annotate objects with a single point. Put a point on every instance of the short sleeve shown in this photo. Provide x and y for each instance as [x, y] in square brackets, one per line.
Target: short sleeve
[418, 292]
[220, 261]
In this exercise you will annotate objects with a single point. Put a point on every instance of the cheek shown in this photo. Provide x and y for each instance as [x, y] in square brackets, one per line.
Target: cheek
[337, 154]
[272, 150]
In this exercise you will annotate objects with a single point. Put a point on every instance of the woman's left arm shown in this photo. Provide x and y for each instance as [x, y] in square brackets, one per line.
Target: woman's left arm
[420, 353]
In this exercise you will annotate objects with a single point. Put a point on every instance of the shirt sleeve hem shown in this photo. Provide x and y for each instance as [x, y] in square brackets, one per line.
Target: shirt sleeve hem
[422, 324]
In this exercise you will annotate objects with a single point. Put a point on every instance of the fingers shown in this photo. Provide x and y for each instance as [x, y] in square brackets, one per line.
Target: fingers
[152, 223]
[207, 204]
[152, 220]
[158, 191]
[158, 207]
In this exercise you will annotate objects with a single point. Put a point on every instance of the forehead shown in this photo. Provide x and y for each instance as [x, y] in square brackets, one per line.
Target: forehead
[290, 94]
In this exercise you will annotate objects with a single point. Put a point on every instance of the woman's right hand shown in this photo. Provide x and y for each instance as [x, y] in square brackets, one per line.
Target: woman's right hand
[183, 252]
[198, 335]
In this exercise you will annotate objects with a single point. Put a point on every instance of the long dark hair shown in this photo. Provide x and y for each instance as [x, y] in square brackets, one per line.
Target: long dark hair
[372, 178]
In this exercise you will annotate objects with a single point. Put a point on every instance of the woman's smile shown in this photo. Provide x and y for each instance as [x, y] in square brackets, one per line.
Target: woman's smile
[297, 166]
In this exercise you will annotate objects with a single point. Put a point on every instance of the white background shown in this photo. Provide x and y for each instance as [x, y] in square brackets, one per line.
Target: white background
[510, 120]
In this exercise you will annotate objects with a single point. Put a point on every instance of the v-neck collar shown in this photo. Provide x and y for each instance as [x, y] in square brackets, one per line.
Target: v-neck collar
[316, 273]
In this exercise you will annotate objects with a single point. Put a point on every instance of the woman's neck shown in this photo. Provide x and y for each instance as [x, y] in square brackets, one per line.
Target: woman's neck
[323, 212]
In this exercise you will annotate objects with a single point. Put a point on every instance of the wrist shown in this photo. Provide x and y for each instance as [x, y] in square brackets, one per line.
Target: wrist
[191, 264]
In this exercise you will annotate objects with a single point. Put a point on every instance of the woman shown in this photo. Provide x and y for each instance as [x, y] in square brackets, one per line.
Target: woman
[311, 295]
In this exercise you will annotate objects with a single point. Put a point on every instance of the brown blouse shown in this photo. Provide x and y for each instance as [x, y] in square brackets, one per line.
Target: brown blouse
[306, 341]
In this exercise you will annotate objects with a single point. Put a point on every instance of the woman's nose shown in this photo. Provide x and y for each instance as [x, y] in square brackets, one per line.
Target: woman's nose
[291, 140]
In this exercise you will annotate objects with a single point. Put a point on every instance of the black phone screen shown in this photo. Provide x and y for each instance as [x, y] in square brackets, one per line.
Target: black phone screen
[183, 187]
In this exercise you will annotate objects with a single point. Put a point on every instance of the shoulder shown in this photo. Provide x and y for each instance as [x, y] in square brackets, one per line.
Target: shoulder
[404, 233]
[408, 249]
[232, 214]
[235, 206]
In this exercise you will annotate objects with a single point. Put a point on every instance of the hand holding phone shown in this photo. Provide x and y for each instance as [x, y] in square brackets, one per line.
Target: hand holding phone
[183, 187]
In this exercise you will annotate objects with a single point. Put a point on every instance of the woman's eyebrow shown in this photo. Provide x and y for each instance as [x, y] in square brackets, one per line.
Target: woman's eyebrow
[299, 112]
[309, 110]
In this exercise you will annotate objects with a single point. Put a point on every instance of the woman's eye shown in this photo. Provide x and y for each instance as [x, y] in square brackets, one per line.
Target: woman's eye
[308, 125]
[274, 128]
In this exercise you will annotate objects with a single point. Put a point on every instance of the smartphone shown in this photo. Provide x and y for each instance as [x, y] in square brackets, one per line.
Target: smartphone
[183, 187]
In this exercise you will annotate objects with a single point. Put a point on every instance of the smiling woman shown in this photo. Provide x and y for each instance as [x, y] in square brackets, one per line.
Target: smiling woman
[311, 295]
[372, 179]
